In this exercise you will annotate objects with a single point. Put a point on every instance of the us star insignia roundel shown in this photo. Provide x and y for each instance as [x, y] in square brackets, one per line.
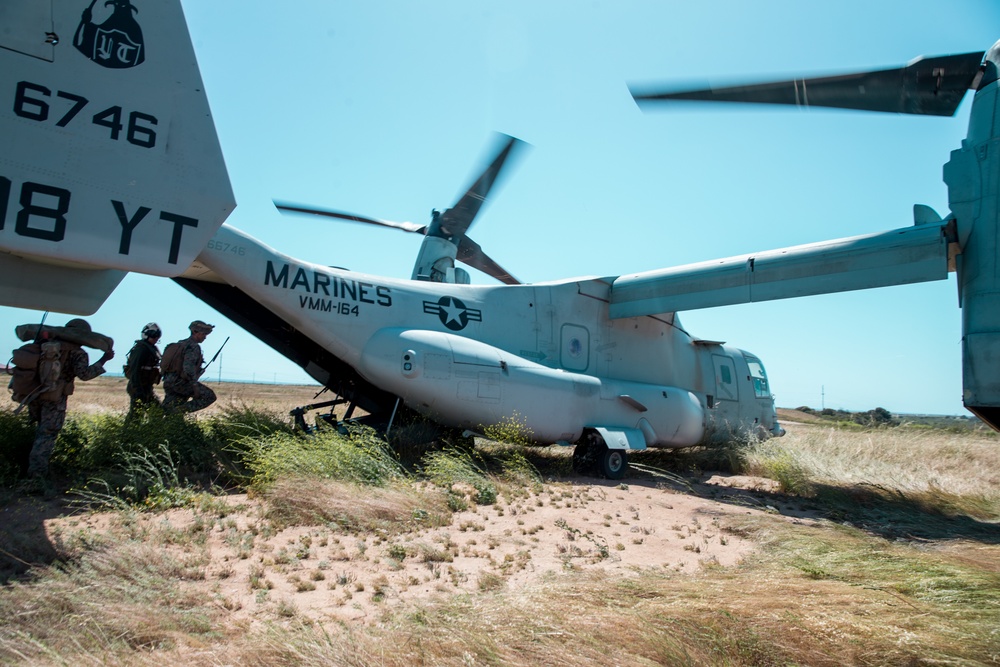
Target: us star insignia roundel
[453, 313]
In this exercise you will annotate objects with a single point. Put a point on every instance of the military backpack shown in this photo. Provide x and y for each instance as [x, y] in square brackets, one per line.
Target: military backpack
[37, 372]
[172, 360]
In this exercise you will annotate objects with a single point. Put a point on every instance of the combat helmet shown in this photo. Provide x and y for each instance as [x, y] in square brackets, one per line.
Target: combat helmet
[151, 330]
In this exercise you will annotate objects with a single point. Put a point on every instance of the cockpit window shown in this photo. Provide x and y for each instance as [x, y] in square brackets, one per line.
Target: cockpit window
[758, 376]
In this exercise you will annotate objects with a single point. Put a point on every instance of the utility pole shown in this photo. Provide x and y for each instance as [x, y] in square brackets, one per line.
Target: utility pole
[822, 397]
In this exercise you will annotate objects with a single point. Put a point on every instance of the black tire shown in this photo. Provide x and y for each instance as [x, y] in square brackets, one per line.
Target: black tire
[612, 463]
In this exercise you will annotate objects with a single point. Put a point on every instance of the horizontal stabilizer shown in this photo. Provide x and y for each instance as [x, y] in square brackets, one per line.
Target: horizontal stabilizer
[27, 283]
[898, 257]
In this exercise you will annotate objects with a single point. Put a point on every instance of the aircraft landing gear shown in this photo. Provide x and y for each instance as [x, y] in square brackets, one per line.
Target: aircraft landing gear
[592, 456]
[583, 458]
[613, 463]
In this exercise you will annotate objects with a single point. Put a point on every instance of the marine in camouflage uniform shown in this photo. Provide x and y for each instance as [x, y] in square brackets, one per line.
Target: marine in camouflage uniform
[50, 413]
[182, 391]
[143, 363]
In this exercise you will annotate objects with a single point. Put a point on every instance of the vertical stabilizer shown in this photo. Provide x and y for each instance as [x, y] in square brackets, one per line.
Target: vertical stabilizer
[972, 176]
[111, 162]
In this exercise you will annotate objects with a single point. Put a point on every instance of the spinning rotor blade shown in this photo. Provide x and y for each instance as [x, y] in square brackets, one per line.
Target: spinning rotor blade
[449, 226]
[297, 208]
[472, 254]
[469, 251]
[457, 219]
[928, 86]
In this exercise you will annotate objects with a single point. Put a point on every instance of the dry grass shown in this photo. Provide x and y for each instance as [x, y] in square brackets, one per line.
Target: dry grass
[354, 508]
[880, 548]
[895, 483]
[857, 602]
[107, 394]
[903, 459]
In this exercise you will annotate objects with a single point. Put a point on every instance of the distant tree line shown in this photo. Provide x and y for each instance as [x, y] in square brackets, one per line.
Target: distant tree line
[872, 418]
[882, 418]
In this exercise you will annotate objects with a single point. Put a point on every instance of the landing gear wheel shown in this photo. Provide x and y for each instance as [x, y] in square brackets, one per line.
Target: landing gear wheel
[592, 457]
[612, 463]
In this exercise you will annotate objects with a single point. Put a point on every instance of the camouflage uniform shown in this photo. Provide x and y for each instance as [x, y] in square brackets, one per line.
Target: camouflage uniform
[144, 370]
[179, 386]
[50, 414]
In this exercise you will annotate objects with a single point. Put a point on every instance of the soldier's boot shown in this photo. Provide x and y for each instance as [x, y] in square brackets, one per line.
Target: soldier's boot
[203, 397]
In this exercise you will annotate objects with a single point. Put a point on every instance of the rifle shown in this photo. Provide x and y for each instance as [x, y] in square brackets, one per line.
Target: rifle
[216, 355]
[38, 334]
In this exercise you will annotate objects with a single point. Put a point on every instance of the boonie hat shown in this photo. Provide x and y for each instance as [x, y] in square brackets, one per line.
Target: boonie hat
[78, 323]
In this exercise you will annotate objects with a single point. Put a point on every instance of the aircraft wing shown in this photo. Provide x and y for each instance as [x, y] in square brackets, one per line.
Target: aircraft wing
[111, 161]
[909, 255]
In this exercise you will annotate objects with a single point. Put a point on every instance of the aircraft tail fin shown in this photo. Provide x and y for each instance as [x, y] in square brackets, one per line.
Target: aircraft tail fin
[111, 159]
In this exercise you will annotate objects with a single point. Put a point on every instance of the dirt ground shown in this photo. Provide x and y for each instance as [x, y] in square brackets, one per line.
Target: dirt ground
[327, 575]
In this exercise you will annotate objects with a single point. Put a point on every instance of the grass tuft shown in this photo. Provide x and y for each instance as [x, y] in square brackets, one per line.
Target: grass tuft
[456, 469]
[360, 456]
[354, 508]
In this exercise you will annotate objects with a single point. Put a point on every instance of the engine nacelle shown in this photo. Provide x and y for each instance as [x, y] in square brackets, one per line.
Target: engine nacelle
[467, 384]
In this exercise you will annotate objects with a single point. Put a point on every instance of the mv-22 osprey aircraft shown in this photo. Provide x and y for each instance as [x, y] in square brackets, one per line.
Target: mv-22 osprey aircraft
[112, 164]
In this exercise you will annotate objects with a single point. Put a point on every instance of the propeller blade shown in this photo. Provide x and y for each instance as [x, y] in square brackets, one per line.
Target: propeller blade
[308, 210]
[928, 86]
[472, 254]
[457, 219]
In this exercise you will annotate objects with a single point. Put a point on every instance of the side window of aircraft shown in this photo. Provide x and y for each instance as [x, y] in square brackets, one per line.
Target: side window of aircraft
[575, 350]
[726, 388]
[758, 377]
[727, 377]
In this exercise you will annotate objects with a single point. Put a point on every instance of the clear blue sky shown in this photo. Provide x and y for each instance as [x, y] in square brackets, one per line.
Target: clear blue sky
[386, 108]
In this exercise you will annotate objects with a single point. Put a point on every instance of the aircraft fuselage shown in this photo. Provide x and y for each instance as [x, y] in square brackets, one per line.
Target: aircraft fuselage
[546, 356]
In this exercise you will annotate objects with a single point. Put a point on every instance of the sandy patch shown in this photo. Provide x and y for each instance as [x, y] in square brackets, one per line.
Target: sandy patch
[326, 575]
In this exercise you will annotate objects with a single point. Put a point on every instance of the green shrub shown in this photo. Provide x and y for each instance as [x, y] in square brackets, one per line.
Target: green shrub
[106, 446]
[412, 436]
[237, 423]
[94, 443]
[875, 418]
[232, 436]
[149, 480]
[790, 475]
[512, 430]
[360, 456]
[456, 467]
